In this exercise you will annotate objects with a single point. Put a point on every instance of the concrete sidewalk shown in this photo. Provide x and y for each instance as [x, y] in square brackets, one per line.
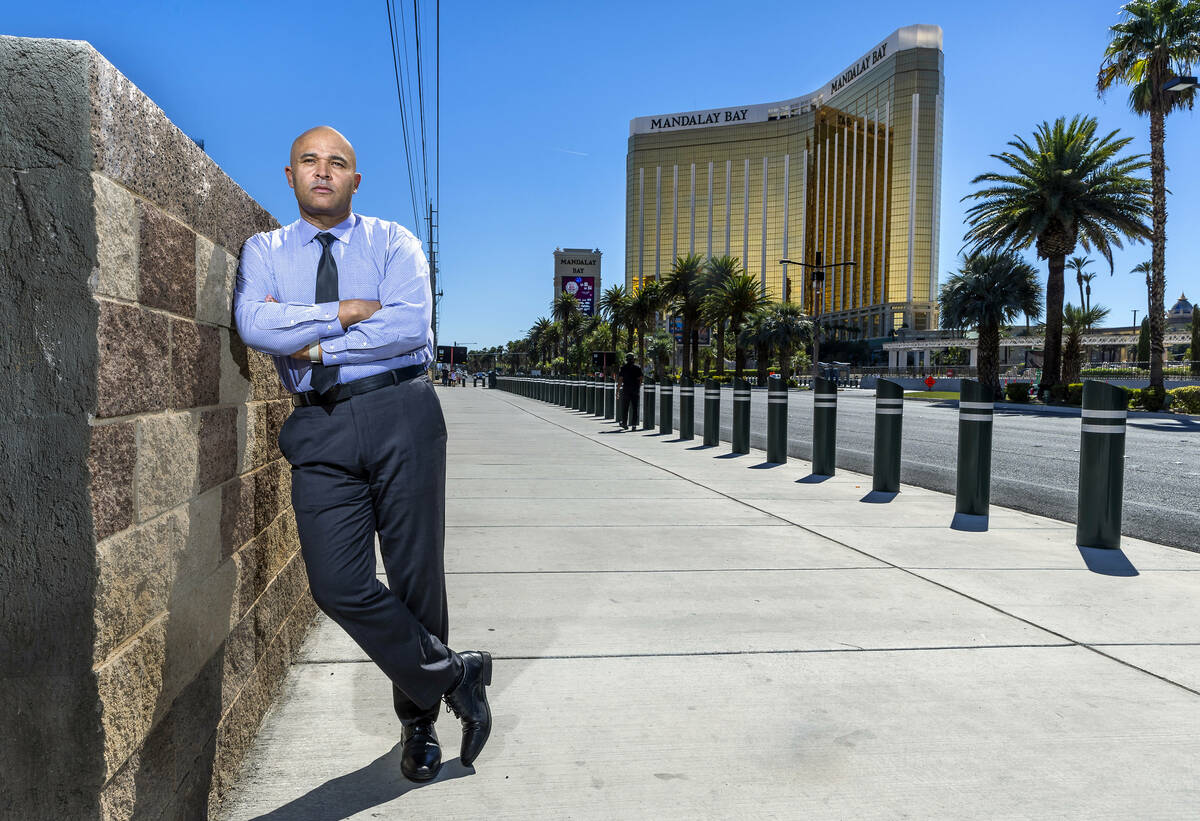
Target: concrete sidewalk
[683, 634]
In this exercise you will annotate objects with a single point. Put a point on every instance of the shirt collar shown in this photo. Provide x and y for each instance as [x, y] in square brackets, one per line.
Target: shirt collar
[341, 231]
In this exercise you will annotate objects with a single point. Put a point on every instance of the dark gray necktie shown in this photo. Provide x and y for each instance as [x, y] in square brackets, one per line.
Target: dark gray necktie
[325, 377]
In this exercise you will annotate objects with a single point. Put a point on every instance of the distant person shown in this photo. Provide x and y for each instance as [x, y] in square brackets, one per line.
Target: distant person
[631, 390]
[445, 376]
[342, 302]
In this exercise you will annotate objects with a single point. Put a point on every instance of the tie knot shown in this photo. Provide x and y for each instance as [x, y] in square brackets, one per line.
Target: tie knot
[326, 238]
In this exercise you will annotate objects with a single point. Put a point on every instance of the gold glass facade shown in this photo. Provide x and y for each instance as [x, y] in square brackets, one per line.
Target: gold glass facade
[852, 172]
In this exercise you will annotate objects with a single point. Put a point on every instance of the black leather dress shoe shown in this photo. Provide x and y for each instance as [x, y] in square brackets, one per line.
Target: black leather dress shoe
[422, 756]
[468, 701]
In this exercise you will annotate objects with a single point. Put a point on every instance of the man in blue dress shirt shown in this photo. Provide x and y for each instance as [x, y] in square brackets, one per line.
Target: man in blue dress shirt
[342, 302]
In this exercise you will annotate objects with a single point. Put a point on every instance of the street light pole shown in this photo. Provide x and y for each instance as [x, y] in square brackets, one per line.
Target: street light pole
[818, 285]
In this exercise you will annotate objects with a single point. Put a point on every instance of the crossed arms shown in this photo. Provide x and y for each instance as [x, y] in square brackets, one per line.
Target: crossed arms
[349, 332]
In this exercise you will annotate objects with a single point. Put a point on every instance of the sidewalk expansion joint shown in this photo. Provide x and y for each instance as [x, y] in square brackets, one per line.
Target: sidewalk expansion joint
[860, 551]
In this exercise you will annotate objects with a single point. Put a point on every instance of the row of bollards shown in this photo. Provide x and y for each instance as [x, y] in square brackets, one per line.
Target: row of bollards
[1101, 452]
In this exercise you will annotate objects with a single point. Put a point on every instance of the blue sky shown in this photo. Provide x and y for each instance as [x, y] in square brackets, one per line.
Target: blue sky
[537, 98]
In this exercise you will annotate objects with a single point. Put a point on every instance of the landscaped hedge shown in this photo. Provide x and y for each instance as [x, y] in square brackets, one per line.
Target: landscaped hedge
[1075, 393]
[1017, 391]
[1151, 399]
[1186, 399]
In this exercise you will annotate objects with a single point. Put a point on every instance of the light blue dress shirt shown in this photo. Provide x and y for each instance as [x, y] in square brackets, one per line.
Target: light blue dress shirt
[376, 259]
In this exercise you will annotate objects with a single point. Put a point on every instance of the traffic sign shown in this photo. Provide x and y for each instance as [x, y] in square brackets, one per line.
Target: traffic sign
[929, 382]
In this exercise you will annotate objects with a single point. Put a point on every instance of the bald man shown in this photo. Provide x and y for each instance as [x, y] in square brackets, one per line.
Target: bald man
[342, 302]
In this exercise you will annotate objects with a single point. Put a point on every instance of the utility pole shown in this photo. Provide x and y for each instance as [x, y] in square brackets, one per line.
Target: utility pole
[432, 233]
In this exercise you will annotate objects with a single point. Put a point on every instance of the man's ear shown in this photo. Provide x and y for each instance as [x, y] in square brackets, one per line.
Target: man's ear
[287, 172]
[357, 182]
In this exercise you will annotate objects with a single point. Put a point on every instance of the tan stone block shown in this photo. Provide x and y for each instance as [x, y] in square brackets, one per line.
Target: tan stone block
[235, 388]
[256, 451]
[237, 514]
[214, 284]
[218, 447]
[267, 500]
[129, 688]
[264, 379]
[116, 272]
[111, 460]
[238, 660]
[167, 462]
[133, 583]
[200, 553]
[277, 413]
[200, 617]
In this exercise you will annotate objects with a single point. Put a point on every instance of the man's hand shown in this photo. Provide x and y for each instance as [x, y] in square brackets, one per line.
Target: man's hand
[303, 353]
[356, 310]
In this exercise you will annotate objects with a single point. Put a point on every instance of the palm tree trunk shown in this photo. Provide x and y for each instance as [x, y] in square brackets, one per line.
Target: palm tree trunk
[763, 353]
[739, 353]
[641, 335]
[989, 355]
[720, 331]
[687, 348]
[1079, 282]
[785, 363]
[1052, 359]
[1158, 245]
[695, 353]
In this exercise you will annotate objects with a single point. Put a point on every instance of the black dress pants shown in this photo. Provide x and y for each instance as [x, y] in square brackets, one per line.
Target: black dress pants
[376, 464]
[628, 413]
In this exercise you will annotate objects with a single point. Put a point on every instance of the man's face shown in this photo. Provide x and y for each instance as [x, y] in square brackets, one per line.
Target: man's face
[322, 174]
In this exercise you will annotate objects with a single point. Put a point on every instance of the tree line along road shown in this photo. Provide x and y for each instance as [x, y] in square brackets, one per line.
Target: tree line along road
[1035, 456]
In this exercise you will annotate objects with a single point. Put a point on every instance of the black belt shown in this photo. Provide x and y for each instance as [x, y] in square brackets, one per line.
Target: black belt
[342, 392]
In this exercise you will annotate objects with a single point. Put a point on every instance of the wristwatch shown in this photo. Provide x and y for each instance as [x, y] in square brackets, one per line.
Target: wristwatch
[314, 352]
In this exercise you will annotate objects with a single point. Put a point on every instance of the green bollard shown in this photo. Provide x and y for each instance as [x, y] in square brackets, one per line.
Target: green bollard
[1101, 465]
[889, 419]
[777, 413]
[824, 455]
[601, 389]
[648, 404]
[576, 393]
[666, 395]
[590, 395]
[974, 449]
[610, 398]
[687, 408]
[712, 412]
[740, 440]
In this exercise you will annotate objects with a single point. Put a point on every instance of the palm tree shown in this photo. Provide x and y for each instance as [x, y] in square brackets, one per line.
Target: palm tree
[990, 289]
[1146, 269]
[684, 287]
[614, 303]
[1079, 265]
[1087, 281]
[551, 338]
[1076, 321]
[789, 329]
[715, 309]
[735, 298]
[569, 316]
[537, 337]
[1069, 188]
[1156, 40]
[642, 316]
[757, 334]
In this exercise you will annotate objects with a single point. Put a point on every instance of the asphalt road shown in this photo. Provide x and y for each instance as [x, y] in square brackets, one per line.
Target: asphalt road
[1035, 456]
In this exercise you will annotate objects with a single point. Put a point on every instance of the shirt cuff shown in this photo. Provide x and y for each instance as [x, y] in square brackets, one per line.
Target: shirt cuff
[327, 313]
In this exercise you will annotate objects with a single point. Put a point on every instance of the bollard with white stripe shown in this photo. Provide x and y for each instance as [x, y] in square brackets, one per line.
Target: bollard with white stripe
[610, 398]
[666, 396]
[648, 404]
[974, 490]
[592, 389]
[577, 393]
[1101, 465]
[777, 406]
[599, 389]
[889, 418]
[687, 408]
[824, 448]
[740, 440]
[712, 412]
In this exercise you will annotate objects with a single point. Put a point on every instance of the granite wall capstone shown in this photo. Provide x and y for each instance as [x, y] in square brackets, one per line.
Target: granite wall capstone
[152, 591]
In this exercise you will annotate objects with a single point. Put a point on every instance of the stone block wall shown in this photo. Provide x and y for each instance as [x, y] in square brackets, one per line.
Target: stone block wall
[152, 592]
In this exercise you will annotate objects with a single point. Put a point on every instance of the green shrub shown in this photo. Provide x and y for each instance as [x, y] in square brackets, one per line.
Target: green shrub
[1186, 399]
[1152, 399]
[1135, 398]
[1075, 394]
[1017, 391]
[1058, 394]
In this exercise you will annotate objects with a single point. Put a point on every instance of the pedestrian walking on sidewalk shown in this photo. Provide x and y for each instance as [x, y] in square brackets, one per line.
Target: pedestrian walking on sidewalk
[631, 389]
[342, 302]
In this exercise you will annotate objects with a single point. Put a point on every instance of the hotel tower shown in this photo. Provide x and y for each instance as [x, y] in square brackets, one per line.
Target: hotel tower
[851, 171]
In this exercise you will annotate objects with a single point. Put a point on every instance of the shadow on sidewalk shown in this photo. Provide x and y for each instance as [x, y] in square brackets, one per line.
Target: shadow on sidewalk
[813, 479]
[767, 465]
[879, 497]
[969, 523]
[377, 783]
[1108, 561]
